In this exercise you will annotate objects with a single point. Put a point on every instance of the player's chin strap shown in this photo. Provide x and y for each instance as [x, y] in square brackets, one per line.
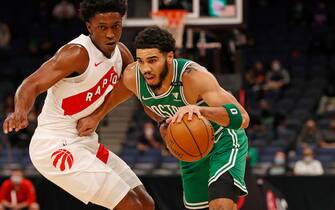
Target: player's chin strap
[177, 83]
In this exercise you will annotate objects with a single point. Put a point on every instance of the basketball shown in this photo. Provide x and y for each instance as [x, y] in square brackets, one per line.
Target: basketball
[190, 141]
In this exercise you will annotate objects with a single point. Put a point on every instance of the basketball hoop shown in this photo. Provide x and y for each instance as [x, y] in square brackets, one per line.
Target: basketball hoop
[174, 23]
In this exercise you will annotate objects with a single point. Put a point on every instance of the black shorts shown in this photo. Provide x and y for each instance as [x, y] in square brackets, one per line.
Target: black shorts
[223, 187]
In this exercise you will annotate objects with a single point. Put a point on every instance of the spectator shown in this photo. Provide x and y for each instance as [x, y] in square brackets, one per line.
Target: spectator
[17, 192]
[328, 135]
[5, 39]
[308, 165]
[310, 135]
[277, 78]
[279, 165]
[320, 16]
[148, 139]
[4, 35]
[256, 77]
[266, 114]
[257, 131]
[64, 10]
[298, 13]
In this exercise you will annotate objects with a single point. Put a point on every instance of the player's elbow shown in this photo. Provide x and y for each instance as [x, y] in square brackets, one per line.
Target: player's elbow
[245, 120]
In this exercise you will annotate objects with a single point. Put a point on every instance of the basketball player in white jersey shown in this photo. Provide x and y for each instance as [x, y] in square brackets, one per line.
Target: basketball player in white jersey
[78, 78]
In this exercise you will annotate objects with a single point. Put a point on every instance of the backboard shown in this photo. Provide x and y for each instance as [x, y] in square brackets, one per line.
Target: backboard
[200, 12]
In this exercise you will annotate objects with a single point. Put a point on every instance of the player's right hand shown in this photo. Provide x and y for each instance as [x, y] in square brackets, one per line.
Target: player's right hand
[15, 121]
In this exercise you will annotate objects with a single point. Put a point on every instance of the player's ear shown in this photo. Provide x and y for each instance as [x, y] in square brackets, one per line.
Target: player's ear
[89, 27]
[170, 57]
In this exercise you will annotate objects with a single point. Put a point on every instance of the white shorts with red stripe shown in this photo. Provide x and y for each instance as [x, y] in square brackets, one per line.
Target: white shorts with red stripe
[83, 168]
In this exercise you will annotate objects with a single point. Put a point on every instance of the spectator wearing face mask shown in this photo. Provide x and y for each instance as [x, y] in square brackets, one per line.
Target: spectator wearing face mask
[277, 78]
[279, 164]
[310, 135]
[17, 192]
[149, 139]
[308, 166]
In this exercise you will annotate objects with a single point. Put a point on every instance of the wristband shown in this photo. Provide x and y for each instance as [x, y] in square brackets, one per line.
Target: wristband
[235, 116]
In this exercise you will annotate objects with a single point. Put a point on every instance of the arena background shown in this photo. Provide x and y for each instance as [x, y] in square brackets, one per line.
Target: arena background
[297, 33]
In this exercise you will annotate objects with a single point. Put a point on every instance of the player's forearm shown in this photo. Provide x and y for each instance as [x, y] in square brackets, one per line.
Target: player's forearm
[113, 99]
[25, 97]
[220, 116]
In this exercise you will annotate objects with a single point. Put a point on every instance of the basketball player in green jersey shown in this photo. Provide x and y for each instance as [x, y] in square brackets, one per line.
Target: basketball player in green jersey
[169, 88]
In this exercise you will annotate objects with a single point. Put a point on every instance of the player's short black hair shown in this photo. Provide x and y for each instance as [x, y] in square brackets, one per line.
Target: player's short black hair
[155, 37]
[88, 8]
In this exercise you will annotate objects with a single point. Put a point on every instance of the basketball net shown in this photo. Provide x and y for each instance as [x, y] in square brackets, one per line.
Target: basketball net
[174, 23]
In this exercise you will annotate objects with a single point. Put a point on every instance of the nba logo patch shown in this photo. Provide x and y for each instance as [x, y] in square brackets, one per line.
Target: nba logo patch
[62, 159]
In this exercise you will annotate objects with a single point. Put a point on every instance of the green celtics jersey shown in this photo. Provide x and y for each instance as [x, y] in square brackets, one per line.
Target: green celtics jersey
[167, 104]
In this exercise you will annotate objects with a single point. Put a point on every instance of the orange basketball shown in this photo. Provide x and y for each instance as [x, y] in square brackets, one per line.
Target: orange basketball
[190, 141]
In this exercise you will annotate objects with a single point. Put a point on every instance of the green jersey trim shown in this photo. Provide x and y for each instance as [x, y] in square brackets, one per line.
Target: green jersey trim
[138, 86]
[199, 205]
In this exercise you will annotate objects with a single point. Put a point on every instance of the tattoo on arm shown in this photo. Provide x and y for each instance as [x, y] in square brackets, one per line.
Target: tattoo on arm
[190, 69]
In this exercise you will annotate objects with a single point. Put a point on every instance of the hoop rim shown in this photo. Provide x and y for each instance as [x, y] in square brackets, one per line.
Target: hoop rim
[174, 16]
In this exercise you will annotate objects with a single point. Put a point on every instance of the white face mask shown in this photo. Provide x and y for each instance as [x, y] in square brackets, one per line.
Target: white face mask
[16, 179]
[276, 66]
[308, 159]
[148, 132]
[280, 161]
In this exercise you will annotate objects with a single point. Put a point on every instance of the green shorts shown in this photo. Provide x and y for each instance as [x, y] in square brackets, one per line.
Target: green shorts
[228, 155]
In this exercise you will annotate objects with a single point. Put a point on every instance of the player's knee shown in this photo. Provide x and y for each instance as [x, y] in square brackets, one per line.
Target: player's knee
[1, 207]
[221, 204]
[34, 206]
[148, 203]
[146, 200]
[130, 202]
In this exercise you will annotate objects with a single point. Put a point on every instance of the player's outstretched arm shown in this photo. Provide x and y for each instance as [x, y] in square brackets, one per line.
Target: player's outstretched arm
[69, 59]
[222, 108]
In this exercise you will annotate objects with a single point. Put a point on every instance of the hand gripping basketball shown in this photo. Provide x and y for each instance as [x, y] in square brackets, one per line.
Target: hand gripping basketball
[190, 141]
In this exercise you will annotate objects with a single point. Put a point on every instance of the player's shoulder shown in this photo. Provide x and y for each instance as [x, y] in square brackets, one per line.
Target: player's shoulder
[126, 55]
[196, 73]
[197, 78]
[124, 50]
[73, 51]
[130, 72]
[72, 56]
[122, 47]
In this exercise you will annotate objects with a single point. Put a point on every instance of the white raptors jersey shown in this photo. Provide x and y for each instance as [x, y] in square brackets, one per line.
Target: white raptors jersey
[73, 98]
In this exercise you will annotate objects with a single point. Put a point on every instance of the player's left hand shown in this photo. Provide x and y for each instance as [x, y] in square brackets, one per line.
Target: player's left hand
[87, 125]
[189, 109]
